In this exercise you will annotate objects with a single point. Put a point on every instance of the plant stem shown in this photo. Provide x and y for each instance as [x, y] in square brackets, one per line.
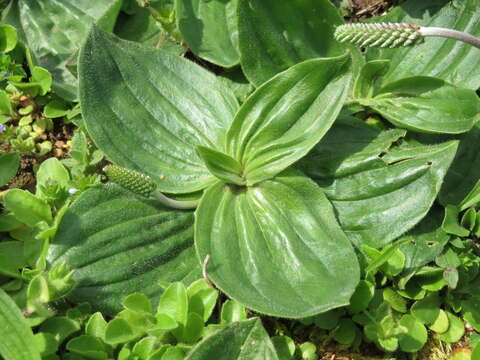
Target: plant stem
[176, 204]
[449, 33]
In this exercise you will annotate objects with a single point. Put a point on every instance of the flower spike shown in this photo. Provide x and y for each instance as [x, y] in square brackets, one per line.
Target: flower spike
[393, 35]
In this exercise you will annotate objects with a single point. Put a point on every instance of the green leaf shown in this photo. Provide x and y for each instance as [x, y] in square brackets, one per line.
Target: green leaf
[12, 258]
[455, 331]
[366, 82]
[88, 346]
[17, 337]
[67, 25]
[299, 259]
[448, 59]
[378, 194]
[471, 311]
[245, 339]
[465, 170]
[450, 222]
[96, 325]
[427, 309]
[346, 332]
[174, 303]
[232, 311]
[119, 331]
[50, 172]
[328, 320]
[441, 323]
[287, 116]
[201, 298]
[362, 296]
[46, 344]
[193, 329]
[424, 242]
[5, 106]
[138, 302]
[284, 346]
[157, 111]
[222, 166]
[60, 327]
[210, 29]
[165, 322]
[397, 302]
[426, 104]
[9, 164]
[275, 35]
[56, 109]
[105, 229]
[27, 208]
[415, 337]
[8, 38]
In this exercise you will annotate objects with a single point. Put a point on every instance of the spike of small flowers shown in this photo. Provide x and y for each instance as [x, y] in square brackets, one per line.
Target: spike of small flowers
[132, 180]
[389, 35]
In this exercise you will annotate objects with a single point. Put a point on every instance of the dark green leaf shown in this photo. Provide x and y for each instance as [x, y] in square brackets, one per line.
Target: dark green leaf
[450, 222]
[415, 337]
[299, 259]
[366, 82]
[275, 35]
[8, 167]
[210, 29]
[247, 340]
[105, 229]
[377, 193]
[362, 296]
[54, 31]
[287, 116]
[60, 327]
[159, 107]
[17, 338]
[88, 346]
[427, 309]
[427, 105]
[451, 60]
[346, 332]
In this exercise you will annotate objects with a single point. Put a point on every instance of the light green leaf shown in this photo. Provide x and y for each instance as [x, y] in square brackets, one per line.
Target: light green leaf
[448, 59]
[54, 31]
[455, 331]
[397, 302]
[9, 164]
[8, 38]
[159, 107]
[50, 172]
[247, 340]
[201, 298]
[275, 35]
[88, 346]
[426, 104]
[12, 258]
[362, 296]
[278, 240]
[96, 325]
[378, 193]
[17, 342]
[56, 109]
[174, 303]
[119, 331]
[287, 116]
[210, 29]
[232, 311]
[222, 166]
[471, 311]
[450, 222]
[27, 208]
[415, 337]
[138, 302]
[105, 229]
[441, 323]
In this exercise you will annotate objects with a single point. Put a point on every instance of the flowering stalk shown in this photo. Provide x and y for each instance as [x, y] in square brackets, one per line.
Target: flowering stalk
[143, 185]
[394, 35]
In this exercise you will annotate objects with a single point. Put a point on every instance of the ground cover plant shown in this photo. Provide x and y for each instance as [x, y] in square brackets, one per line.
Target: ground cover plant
[189, 179]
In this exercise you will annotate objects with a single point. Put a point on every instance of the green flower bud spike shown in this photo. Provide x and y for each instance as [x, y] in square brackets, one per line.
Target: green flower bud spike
[393, 35]
[143, 185]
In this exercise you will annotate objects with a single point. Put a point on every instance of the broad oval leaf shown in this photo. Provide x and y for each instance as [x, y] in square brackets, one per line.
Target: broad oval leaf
[246, 340]
[465, 170]
[210, 29]
[118, 244]
[17, 342]
[54, 30]
[450, 60]
[427, 104]
[275, 35]
[147, 109]
[276, 247]
[287, 116]
[378, 193]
